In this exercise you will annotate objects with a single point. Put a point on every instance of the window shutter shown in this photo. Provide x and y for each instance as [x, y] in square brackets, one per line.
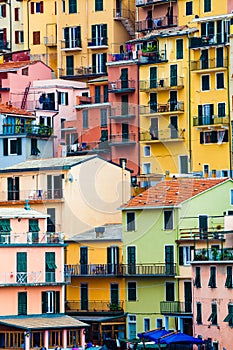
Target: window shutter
[181, 257]
[4, 10]
[108, 255]
[201, 138]
[66, 99]
[32, 7]
[225, 138]
[4, 35]
[199, 110]
[44, 298]
[16, 14]
[16, 37]
[5, 147]
[41, 7]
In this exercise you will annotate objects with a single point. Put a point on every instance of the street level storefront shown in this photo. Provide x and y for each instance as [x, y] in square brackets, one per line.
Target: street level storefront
[37, 331]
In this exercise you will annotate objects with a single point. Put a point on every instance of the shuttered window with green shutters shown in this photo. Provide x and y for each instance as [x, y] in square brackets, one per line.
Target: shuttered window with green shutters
[21, 267]
[22, 303]
[50, 267]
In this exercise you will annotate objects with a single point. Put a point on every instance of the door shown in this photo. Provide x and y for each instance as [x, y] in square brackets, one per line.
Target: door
[219, 57]
[204, 59]
[84, 296]
[149, 20]
[183, 164]
[125, 131]
[84, 260]
[170, 291]
[173, 75]
[13, 188]
[169, 260]
[131, 260]
[124, 78]
[154, 129]
[69, 65]
[153, 77]
[153, 103]
[174, 127]
[21, 276]
[173, 101]
[113, 260]
[188, 296]
[51, 220]
[114, 292]
[203, 226]
[124, 105]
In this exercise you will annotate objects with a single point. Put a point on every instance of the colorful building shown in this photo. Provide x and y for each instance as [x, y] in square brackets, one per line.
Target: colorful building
[33, 284]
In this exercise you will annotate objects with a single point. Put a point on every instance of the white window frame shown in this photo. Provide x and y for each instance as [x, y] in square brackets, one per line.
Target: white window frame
[145, 167]
[149, 151]
[168, 229]
[9, 146]
[205, 75]
[218, 74]
[187, 255]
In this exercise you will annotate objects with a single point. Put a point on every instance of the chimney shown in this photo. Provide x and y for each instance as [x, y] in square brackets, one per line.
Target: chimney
[99, 231]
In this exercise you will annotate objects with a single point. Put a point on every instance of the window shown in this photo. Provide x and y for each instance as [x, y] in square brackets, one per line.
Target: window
[37, 7]
[50, 267]
[16, 13]
[21, 276]
[219, 57]
[5, 231]
[207, 5]
[183, 164]
[220, 81]
[114, 295]
[197, 281]
[103, 118]
[146, 324]
[170, 291]
[228, 282]
[214, 136]
[179, 49]
[189, 8]
[173, 75]
[185, 255]
[99, 63]
[132, 288]
[12, 146]
[51, 220]
[97, 94]
[19, 37]
[98, 5]
[63, 98]
[34, 230]
[54, 186]
[85, 119]
[153, 77]
[3, 10]
[146, 168]
[159, 323]
[213, 316]
[153, 102]
[199, 314]
[72, 37]
[229, 317]
[168, 220]
[104, 135]
[131, 326]
[70, 65]
[146, 151]
[205, 82]
[13, 188]
[130, 221]
[34, 149]
[72, 6]
[50, 302]
[221, 109]
[36, 38]
[63, 6]
[212, 280]
[231, 197]
[22, 303]
[84, 296]
[105, 93]
[99, 35]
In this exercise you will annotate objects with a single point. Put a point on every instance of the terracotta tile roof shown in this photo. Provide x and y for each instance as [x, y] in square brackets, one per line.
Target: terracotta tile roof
[172, 192]
[10, 109]
[15, 65]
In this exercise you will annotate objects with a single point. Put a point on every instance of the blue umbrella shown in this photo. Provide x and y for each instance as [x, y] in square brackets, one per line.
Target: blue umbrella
[180, 338]
[153, 335]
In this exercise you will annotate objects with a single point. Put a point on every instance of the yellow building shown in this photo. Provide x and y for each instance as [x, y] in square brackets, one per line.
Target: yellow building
[97, 292]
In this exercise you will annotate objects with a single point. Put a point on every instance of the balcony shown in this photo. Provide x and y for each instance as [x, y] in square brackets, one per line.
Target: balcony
[175, 307]
[210, 120]
[97, 43]
[50, 41]
[124, 111]
[161, 84]
[32, 278]
[121, 86]
[156, 23]
[88, 147]
[150, 57]
[93, 306]
[166, 135]
[195, 234]
[32, 195]
[206, 41]
[122, 139]
[115, 57]
[176, 106]
[213, 254]
[208, 64]
[71, 45]
[89, 100]
[24, 129]
[101, 270]
[83, 71]
[31, 238]
[151, 2]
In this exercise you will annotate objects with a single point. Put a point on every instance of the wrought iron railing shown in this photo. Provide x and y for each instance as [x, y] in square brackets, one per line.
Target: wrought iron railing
[93, 305]
[175, 307]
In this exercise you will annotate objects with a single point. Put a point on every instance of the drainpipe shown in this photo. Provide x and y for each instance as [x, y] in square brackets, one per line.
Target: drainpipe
[28, 1]
[189, 109]
[229, 111]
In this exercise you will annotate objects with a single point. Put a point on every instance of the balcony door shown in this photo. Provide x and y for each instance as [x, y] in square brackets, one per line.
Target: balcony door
[173, 101]
[112, 259]
[114, 292]
[124, 78]
[169, 259]
[131, 259]
[188, 296]
[173, 127]
[204, 59]
[21, 276]
[84, 296]
[125, 131]
[203, 226]
[84, 260]
[13, 188]
[124, 105]
[54, 186]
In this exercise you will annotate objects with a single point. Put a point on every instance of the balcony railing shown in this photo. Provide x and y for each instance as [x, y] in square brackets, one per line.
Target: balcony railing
[33, 277]
[86, 100]
[156, 23]
[219, 38]
[213, 254]
[162, 107]
[152, 57]
[121, 86]
[123, 111]
[196, 234]
[208, 64]
[50, 40]
[210, 120]
[161, 84]
[100, 270]
[38, 130]
[175, 307]
[83, 70]
[42, 194]
[114, 57]
[74, 44]
[97, 42]
[31, 238]
[94, 305]
[86, 147]
[150, 2]
[169, 134]
[122, 139]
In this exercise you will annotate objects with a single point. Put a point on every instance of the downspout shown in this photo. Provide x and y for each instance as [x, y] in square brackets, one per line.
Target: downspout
[189, 109]
[28, 1]
[11, 34]
[229, 111]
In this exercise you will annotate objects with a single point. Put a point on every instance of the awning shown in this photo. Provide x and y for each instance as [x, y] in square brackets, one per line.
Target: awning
[153, 335]
[86, 318]
[51, 265]
[42, 322]
[180, 338]
[33, 226]
[5, 225]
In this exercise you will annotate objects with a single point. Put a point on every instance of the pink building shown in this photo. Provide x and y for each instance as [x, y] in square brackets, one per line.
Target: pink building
[33, 284]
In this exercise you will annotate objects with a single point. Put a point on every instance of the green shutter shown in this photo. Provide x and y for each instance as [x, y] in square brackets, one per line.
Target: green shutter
[153, 77]
[33, 226]
[181, 256]
[173, 75]
[179, 49]
[22, 303]
[44, 298]
[57, 302]
[5, 226]
[5, 147]
[21, 262]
